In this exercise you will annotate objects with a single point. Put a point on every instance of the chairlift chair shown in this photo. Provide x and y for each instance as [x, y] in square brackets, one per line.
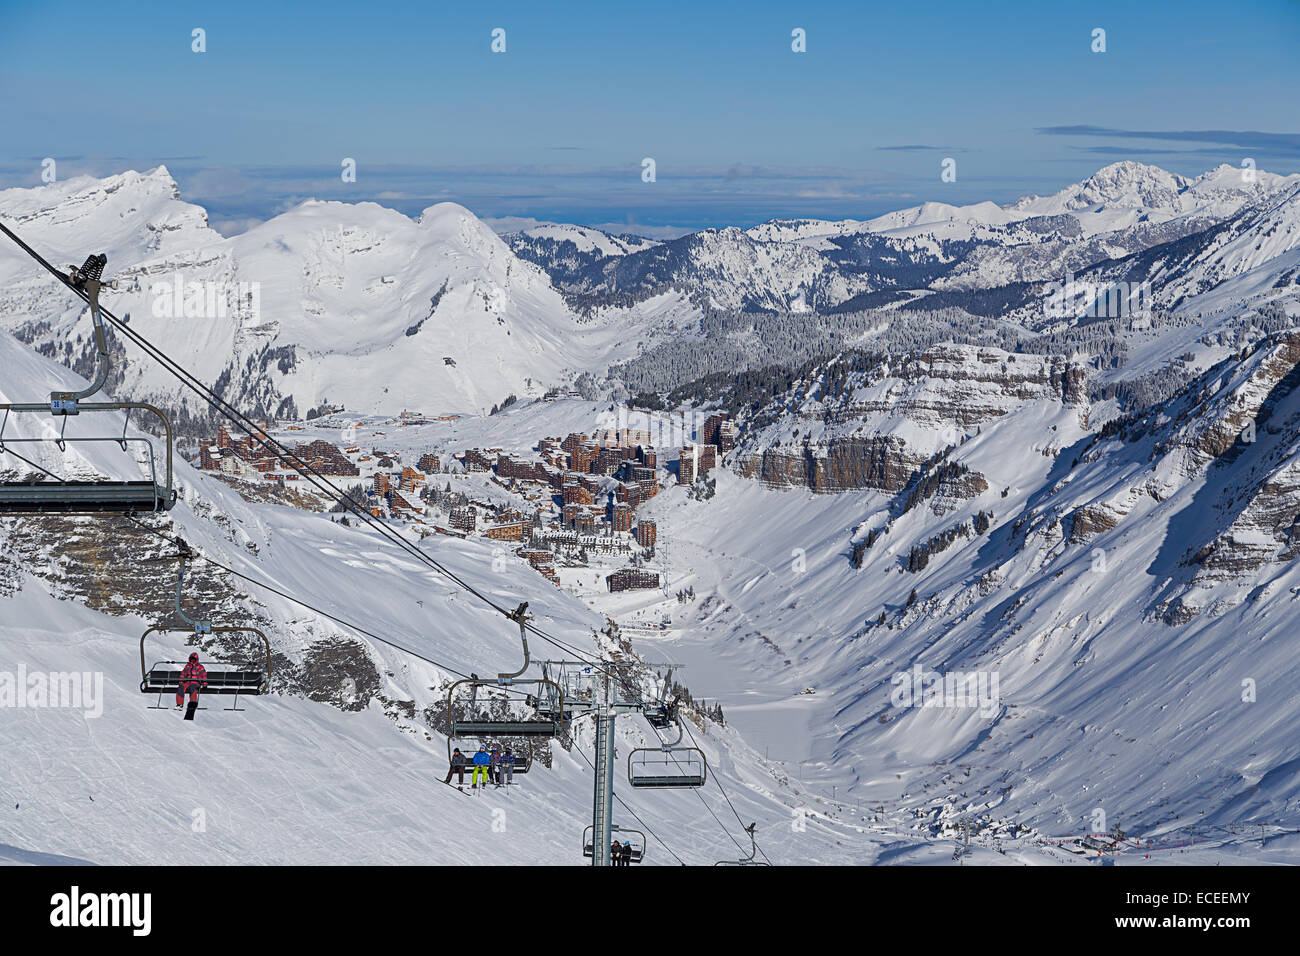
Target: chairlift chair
[661, 714]
[637, 840]
[574, 681]
[668, 766]
[224, 678]
[464, 720]
[50, 494]
[523, 758]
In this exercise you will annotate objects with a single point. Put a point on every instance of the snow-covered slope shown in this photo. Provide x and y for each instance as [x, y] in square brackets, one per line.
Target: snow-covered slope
[1133, 590]
[342, 762]
[1129, 580]
[1115, 690]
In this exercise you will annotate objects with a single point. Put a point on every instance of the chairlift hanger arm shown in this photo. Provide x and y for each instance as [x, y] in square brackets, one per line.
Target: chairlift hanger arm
[677, 722]
[87, 280]
[520, 616]
[200, 627]
[753, 842]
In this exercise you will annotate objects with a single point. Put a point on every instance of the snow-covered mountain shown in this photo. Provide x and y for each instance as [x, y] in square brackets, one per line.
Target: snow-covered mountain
[328, 303]
[1132, 586]
[354, 305]
[565, 251]
[1120, 584]
[1231, 267]
[793, 265]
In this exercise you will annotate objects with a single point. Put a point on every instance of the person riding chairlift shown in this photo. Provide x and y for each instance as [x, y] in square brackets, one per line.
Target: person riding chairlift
[457, 767]
[494, 765]
[193, 677]
[482, 764]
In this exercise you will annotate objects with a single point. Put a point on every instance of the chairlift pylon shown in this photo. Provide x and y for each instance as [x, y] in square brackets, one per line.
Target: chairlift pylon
[223, 678]
[54, 495]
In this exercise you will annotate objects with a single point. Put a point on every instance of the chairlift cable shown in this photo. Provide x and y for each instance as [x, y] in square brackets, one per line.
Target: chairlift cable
[329, 488]
[10, 451]
[250, 428]
[727, 798]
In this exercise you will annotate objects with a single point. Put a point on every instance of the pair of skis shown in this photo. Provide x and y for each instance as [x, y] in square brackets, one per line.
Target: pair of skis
[462, 789]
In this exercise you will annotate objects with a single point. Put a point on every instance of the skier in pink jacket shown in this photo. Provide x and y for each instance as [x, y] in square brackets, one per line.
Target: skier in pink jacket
[193, 677]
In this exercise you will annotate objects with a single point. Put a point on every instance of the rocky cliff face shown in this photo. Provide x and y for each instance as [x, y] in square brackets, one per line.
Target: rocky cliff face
[841, 464]
[1219, 462]
[875, 429]
[118, 567]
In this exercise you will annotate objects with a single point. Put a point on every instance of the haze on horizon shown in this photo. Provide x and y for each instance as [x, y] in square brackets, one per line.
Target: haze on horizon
[741, 127]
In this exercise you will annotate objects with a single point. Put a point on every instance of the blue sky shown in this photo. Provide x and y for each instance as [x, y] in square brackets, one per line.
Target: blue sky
[741, 128]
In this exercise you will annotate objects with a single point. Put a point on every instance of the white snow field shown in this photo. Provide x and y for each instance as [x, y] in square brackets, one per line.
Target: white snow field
[292, 780]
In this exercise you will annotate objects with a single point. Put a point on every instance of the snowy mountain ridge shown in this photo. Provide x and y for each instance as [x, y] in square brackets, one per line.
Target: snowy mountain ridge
[312, 307]
[796, 265]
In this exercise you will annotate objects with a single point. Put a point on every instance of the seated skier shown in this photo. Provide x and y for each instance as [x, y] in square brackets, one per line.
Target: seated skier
[494, 765]
[457, 767]
[193, 677]
[482, 762]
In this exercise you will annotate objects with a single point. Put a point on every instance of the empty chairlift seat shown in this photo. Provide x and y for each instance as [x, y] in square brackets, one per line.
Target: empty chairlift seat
[40, 490]
[82, 497]
[44, 492]
[667, 767]
[505, 728]
[470, 717]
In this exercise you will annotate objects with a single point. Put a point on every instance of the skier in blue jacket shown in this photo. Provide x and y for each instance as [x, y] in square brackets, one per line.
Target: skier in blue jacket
[481, 764]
